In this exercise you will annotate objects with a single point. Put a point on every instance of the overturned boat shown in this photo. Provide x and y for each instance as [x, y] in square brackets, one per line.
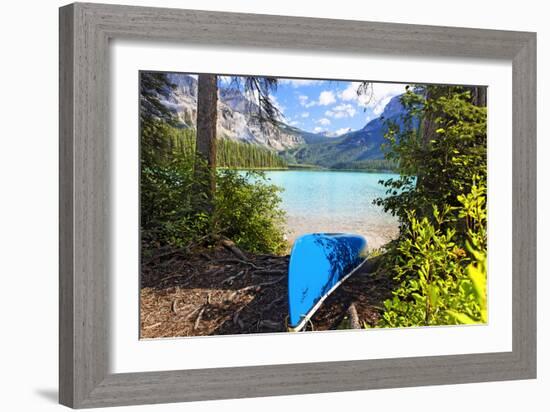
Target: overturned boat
[319, 263]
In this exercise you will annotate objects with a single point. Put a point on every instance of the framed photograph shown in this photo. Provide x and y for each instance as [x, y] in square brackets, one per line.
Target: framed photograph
[257, 205]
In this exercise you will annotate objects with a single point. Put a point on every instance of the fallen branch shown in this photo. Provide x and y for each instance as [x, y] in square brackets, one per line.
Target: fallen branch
[175, 306]
[230, 245]
[353, 317]
[270, 272]
[259, 285]
[171, 277]
[237, 321]
[232, 278]
[154, 325]
[193, 312]
[270, 324]
[197, 321]
[270, 306]
[244, 262]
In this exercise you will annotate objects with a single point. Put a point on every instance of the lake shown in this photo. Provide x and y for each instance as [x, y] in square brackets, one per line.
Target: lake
[335, 201]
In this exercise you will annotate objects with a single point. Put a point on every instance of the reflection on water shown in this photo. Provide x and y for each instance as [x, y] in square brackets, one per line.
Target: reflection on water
[335, 201]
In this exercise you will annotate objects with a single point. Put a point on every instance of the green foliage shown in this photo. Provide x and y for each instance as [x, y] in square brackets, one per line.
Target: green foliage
[247, 156]
[477, 275]
[441, 283]
[153, 87]
[246, 210]
[161, 141]
[167, 185]
[438, 159]
[337, 153]
[367, 165]
[440, 199]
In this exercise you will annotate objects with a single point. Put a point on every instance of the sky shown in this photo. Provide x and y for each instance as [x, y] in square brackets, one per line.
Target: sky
[329, 105]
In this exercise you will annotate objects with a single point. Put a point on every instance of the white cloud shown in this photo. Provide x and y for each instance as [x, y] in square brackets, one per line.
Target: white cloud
[341, 111]
[276, 103]
[323, 121]
[304, 101]
[341, 131]
[377, 96]
[378, 108]
[294, 123]
[350, 92]
[326, 97]
[382, 94]
[299, 82]
[317, 129]
[305, 114]
[369, 117]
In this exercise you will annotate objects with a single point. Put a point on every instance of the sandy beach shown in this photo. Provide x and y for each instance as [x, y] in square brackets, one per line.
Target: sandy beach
[377, 234]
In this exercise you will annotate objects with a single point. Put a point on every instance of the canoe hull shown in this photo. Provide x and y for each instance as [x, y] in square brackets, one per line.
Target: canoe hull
[319, 262]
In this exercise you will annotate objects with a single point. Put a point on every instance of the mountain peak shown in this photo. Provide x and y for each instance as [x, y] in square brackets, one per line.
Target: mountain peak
[235, 115]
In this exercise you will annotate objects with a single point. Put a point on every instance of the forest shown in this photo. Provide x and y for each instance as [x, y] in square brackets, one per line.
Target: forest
[208, 226]
[229, 153]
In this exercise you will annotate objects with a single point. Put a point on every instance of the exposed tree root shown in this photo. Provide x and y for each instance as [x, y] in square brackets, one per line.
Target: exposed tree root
[213, 292]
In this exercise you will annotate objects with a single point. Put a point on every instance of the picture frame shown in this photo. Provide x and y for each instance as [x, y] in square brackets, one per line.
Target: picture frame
[85, 32]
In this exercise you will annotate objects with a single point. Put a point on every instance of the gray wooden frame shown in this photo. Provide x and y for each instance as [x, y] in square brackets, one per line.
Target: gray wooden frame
[85, 31]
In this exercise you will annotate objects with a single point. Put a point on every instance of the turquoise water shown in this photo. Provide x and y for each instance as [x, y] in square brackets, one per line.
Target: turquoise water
[334, 201]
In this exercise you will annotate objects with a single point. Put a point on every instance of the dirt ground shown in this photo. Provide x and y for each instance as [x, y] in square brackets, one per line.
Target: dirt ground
[216, 292]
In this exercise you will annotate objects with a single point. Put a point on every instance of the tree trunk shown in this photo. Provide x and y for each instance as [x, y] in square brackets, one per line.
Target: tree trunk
[479, 96]
[205, 165]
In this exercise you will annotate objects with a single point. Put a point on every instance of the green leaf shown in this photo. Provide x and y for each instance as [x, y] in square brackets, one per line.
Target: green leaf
[461, 317]
[433, 295]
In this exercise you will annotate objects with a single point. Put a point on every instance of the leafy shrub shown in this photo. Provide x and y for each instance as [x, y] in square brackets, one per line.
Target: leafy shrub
[437, 160]
[442, 282]
[440, 199]
[167, 213]
[247, 208]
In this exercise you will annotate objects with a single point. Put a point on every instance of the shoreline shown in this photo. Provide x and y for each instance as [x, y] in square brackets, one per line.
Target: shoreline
[377, 234]
[307, 169]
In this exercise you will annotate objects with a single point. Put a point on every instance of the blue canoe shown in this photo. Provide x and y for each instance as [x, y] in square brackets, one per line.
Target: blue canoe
[319, 263]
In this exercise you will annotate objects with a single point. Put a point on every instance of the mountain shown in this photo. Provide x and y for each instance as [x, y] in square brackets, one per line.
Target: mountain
[236, 120]
[352, 149]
